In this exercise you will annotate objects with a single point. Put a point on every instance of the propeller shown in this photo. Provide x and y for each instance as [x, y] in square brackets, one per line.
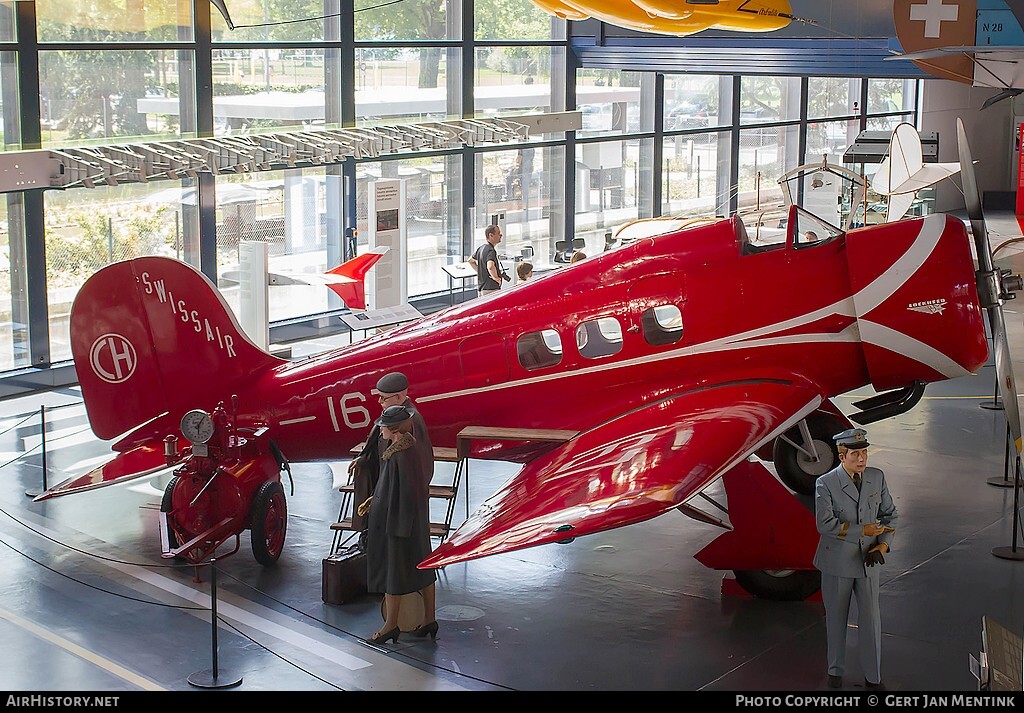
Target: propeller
[994, 286]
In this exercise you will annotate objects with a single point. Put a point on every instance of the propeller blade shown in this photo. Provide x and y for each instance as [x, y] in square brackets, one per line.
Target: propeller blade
[990, 288]
[972, 198]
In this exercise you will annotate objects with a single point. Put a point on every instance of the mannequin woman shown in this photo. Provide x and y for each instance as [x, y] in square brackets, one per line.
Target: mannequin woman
[398, 532]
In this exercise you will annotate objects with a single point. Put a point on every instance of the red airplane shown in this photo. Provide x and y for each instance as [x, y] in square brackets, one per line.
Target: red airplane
[665, 364]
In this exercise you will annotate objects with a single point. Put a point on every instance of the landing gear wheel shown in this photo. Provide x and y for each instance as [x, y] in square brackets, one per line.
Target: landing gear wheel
[780, 585]
[166, 505]
[797, 469]
[269, 523]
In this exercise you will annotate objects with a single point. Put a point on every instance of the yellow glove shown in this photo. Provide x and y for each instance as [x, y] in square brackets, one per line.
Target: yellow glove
[364, 507]
[874, 529]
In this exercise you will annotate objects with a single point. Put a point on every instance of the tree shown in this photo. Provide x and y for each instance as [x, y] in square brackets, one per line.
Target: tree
[94, 93]
[427, 20]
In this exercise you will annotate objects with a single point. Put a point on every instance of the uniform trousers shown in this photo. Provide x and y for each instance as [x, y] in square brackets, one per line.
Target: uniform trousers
[836, 593]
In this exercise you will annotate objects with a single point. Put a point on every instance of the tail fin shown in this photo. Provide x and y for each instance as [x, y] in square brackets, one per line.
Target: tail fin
[351, 287]
[153, 335]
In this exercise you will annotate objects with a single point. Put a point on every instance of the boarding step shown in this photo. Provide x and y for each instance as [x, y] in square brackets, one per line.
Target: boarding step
[445, 455]
[444, 492]
[437, 529]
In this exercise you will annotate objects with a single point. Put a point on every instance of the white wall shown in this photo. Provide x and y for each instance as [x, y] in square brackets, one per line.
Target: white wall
[989, 133]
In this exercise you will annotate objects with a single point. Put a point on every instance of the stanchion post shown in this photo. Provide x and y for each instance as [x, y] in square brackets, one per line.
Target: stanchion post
[213, 677]
[42, 434]
[996, 404]
[1005, 481]
[1011, 552]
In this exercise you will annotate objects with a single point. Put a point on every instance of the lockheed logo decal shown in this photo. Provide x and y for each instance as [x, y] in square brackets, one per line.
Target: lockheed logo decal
[928, 306]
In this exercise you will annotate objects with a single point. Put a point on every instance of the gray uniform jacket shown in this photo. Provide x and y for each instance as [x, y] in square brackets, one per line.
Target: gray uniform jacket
[841, 513]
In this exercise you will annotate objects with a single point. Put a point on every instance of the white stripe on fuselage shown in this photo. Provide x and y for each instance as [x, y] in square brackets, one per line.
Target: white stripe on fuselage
[885, 285]
[888, 338]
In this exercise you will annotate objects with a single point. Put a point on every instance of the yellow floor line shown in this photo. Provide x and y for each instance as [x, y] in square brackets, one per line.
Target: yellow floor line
[80, 652]
[977, 398]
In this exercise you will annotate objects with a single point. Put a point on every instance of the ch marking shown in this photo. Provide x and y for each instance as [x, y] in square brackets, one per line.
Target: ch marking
[112, 358]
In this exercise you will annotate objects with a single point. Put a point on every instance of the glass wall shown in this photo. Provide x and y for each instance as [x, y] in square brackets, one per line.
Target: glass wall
[609, 189]
[114, 72]
[515, 80]
[89, 229]
[401, 87]
[14, 334]
[261, 89]
[428, 224]
[523, 186]
[691, 173]
[610, 101]
[89, 97]
[694, 102]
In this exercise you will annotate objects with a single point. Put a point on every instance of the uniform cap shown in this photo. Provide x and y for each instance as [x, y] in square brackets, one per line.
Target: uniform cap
[852, 438]
[394, 415]
[392, 383]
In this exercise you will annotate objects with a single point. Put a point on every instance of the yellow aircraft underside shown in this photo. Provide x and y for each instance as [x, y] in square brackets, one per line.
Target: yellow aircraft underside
[676, 17]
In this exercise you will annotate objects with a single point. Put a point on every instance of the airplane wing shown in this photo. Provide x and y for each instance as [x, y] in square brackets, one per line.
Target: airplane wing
[994, 52]
[632, 468]
[1000, 67]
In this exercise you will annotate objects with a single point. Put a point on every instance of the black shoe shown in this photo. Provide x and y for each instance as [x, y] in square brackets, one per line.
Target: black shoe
[382, 637]
[425, 630]
[874, 686]
[835, 681]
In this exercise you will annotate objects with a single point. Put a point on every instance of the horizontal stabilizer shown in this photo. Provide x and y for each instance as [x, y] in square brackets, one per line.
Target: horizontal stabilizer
[138, 462]
[903, 172]
[351, 287]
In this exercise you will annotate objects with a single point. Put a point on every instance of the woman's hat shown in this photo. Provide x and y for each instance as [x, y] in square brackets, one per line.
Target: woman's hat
[394, 415]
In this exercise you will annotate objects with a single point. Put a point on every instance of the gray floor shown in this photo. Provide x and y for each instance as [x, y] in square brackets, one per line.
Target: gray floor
[86, 604]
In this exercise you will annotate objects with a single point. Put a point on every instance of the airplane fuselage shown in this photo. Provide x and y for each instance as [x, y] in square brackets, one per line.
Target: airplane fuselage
[785, 313]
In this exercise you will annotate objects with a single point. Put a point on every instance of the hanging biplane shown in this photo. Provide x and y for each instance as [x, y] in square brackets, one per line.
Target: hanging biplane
[966, 41]
[665, 364]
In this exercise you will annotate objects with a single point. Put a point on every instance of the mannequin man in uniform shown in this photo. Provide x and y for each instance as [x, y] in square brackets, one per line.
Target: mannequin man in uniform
[855, 517]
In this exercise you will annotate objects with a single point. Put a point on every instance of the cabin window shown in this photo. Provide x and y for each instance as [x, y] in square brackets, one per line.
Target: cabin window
[599, 337]
[539, 350]
[662, 325]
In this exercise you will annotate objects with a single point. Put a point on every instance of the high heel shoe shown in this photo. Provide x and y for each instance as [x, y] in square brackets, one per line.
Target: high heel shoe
[425, 630]
[382, 637]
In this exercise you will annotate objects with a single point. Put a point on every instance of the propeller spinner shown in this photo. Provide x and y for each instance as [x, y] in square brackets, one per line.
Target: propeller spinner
[994, 287]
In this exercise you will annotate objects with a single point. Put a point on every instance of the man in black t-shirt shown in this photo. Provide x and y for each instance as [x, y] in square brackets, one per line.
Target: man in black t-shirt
[489, 275]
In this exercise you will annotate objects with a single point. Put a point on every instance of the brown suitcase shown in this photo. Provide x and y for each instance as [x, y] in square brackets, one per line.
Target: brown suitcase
[344, 575]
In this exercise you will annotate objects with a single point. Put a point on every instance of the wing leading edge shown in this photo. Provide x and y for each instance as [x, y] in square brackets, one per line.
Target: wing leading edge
[629, 469]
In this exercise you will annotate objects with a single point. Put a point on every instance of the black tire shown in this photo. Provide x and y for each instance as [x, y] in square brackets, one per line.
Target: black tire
[166, 503]
[795, 469]
[269, 517]
[785, 585]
